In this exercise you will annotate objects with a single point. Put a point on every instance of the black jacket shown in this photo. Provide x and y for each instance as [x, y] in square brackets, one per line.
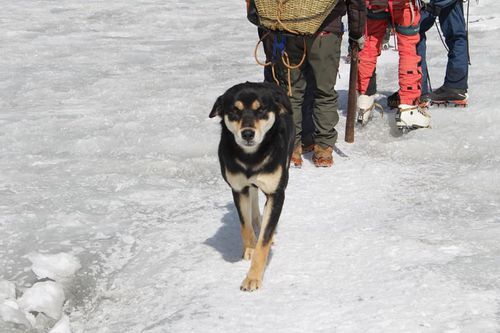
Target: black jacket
[356, 16]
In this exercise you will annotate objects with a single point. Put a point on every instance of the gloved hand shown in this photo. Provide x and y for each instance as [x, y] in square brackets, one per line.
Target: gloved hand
[430, 6]
[360, 42]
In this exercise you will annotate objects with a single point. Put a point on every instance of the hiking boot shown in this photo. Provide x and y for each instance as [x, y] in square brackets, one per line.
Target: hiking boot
[393, 101]
[365, 107]
[322, 156]
[412, 117]
[296, 160]
[445, 95]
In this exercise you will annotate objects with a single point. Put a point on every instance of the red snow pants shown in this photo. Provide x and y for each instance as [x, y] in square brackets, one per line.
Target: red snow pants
[405, 17]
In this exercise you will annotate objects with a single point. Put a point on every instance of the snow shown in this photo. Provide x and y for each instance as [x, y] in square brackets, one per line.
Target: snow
[107, 156]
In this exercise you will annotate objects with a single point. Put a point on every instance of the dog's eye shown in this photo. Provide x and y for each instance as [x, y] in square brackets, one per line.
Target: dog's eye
[260, 112]
[234, 114]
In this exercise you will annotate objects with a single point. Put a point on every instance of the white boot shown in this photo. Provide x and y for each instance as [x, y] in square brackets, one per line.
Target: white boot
[412, 116]
[365, 107]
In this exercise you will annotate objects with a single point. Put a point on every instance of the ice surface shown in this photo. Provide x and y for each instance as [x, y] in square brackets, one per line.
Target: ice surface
[107, 154]
[62, 326]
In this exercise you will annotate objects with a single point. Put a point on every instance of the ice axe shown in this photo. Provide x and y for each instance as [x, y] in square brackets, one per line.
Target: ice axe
[352, 98]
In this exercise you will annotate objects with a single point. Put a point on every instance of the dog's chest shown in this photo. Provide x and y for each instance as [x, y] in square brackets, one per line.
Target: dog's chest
[268, 182]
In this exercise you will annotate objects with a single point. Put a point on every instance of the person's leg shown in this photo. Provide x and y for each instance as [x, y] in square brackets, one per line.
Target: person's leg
[426, 22]
[368, 56]
[307, 111]
[410, 114]
[376, 28]
[407, 18]
[452, 23]
[324, 57]
[295, 49]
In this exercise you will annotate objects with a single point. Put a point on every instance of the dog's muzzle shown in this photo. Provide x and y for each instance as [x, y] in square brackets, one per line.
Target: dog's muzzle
[248, 135]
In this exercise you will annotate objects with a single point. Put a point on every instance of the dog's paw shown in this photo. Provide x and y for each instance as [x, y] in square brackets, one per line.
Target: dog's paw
[250, 284]
[247, 253]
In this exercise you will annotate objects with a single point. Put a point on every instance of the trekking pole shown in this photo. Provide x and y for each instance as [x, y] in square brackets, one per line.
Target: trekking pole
[352, 98]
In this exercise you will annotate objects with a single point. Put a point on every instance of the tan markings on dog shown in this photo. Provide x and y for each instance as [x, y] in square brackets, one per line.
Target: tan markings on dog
[261, 164]
[267, 182]
[239, 105]
[255, 167]
[254, 199]
[240, 163]
[255, 105]
[233, 126]
[247, 231]
[265, 124]
[253, 280]
[237, 180]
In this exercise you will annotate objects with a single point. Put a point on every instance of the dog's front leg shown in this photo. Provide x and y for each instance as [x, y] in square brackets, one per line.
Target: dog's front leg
[243, 204]
[254, 198]
[272, 211]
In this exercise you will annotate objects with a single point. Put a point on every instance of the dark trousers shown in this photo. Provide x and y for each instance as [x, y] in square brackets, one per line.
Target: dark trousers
[452, 22]
[308, 129]
[322, 61]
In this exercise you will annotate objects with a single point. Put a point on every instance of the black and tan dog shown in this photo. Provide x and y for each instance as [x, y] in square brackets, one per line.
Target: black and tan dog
[254, 153]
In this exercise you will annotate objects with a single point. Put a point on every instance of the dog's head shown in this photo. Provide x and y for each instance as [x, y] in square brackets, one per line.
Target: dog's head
[249, 110]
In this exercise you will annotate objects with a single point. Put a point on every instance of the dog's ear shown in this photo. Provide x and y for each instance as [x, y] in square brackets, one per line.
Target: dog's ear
[217, 108]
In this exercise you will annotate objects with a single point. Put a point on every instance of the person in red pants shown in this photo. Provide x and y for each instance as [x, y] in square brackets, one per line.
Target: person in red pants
[404, 15]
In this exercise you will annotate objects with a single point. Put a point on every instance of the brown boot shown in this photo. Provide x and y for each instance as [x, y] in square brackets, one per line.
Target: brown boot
[296, 159]
[322, 156]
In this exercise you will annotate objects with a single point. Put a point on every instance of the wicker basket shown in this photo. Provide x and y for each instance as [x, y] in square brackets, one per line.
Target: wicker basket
[297, 16]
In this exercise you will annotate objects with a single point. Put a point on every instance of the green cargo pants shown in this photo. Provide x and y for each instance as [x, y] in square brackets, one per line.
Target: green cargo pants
[323, 56]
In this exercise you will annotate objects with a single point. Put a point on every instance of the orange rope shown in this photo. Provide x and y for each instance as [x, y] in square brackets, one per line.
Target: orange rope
[279, 10]
[264, 64]
[284, 58]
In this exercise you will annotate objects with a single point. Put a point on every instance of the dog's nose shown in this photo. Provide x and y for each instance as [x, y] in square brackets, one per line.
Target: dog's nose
[248, 134]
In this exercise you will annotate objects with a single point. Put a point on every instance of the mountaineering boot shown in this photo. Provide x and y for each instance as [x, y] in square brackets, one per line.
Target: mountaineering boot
[393, 101]
[412, 117]
[449, 96]
[296, 159]
[322, 156]
[365, 107]
[307, 143]
[307, 148]
[425, 100]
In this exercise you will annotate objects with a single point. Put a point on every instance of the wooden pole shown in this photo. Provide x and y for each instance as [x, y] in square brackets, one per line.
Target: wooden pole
[352, 98]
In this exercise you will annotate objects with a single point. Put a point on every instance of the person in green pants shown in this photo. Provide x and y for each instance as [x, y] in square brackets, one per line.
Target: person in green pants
[319, 53]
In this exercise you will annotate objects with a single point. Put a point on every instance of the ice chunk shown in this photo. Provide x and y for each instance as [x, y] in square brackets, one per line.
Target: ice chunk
[47, 297]
[9, 312]
[7, 290]
[54, 266]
